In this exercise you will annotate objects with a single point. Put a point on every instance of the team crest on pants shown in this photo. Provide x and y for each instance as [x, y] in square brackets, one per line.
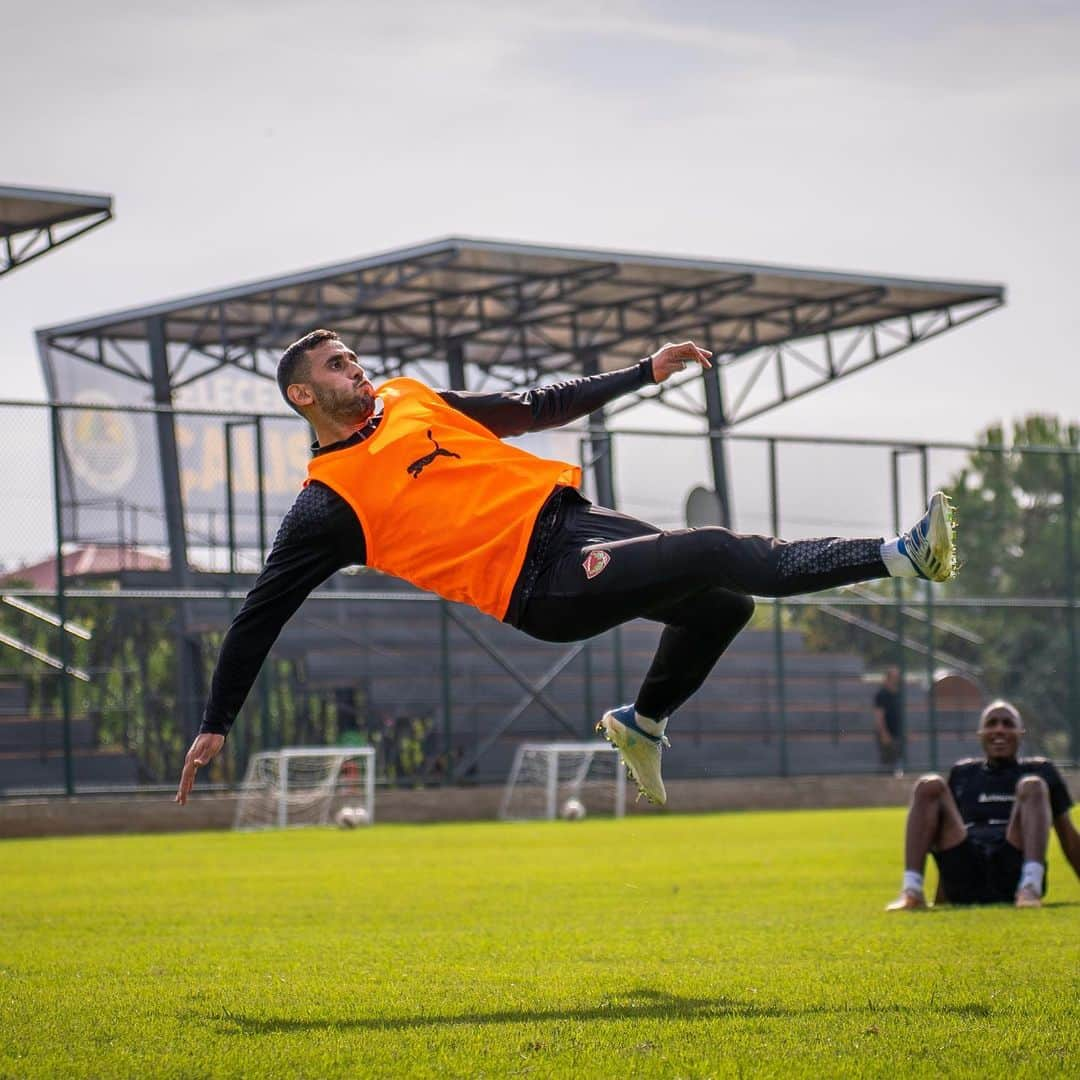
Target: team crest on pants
[595, 563]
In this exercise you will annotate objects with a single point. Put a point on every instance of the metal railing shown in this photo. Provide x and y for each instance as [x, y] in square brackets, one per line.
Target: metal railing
[444, 694]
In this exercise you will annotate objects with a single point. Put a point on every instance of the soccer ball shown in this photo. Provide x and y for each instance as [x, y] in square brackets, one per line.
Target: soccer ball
[349, 817]
[572, 810]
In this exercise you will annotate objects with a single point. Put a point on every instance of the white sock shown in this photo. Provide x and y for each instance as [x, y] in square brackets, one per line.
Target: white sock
[913, 882]
[650, 727]
[1031, 873]
[896, 562]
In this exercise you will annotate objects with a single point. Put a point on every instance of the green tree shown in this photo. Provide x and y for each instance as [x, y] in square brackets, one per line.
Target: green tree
[1010, 497]
[1015, 527]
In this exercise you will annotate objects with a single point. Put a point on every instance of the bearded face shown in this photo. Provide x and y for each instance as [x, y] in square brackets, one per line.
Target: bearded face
[344, 403]
[338, 386]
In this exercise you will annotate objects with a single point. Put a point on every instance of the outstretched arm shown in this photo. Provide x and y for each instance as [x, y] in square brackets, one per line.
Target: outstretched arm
[550, 406]
[319, 535]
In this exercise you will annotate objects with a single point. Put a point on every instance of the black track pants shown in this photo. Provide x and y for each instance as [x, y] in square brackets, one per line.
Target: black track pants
[697, 582]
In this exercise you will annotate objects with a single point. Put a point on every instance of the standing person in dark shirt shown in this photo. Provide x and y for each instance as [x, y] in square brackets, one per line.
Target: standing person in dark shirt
[419, 484]
[887, 719]
[988, 825]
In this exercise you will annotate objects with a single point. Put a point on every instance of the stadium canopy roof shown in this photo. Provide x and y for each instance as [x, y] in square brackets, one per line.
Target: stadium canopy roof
[34, 221]
[503, 314]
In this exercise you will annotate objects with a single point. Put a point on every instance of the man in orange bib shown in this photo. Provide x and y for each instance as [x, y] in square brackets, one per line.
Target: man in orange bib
[419, 484]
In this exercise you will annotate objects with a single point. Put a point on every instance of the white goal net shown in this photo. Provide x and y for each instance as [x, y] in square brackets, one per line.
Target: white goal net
[564, 779]
[305, 786]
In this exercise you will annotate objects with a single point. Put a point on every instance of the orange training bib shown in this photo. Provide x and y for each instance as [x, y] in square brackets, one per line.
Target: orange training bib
[443, 502]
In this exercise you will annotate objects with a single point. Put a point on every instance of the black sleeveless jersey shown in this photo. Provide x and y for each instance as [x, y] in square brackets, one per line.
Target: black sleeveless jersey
[985, 793]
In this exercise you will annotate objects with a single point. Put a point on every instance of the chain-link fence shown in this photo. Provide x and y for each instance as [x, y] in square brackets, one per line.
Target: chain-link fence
[109, 635]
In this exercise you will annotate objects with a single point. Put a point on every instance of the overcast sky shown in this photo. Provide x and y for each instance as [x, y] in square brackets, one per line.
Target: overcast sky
[242, 139]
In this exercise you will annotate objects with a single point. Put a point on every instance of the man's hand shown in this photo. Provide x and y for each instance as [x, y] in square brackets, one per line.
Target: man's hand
[203, 751]
[671, 358]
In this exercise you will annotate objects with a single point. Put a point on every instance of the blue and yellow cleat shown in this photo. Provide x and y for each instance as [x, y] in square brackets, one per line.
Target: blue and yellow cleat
[930, 544]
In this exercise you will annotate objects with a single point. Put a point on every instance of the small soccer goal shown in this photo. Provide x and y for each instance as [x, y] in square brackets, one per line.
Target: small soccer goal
[305, 785]
[564, 779]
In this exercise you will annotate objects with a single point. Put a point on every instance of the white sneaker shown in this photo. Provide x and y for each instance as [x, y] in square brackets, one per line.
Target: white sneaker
[930, 543]
[640, 753]
[1027, 896]
[908, 900]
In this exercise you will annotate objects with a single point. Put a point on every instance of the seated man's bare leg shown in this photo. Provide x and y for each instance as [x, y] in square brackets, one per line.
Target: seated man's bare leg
[1029, 832]
[933, 824]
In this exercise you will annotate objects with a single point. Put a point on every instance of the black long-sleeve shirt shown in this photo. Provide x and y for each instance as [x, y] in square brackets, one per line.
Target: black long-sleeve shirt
[321, 534]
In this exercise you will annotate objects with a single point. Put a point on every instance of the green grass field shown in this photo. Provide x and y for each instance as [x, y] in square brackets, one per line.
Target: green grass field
[722, 945]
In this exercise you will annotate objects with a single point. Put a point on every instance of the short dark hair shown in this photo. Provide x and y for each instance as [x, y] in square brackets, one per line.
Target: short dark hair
[292, 367]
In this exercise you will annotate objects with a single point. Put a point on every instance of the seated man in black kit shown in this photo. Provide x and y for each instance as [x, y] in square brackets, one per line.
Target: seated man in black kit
[988, 826]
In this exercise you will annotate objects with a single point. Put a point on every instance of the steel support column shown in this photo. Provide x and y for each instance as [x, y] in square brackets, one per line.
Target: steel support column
[898, 610]
[601, 456]
[1073, 698]
[455, 374]
[714, 410]
[600, 452]
[260, 513]
[255, 423]
[241, 739]
[167, 450]
[64, 648]
[931, 660]
[189, 659]
[778, 617]
[455, 365]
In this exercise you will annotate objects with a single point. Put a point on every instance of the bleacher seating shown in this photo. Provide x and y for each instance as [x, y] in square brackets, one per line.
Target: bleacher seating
[32, 749]
[391, 651]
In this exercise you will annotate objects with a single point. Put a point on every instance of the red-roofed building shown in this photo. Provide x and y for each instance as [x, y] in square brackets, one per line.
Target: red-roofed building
[88, 562]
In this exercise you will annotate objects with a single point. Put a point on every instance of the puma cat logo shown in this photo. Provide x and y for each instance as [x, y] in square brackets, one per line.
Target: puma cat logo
[420, 464]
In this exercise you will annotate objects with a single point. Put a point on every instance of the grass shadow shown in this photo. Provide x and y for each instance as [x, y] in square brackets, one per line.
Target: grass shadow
[945, 908]
[642, 1004]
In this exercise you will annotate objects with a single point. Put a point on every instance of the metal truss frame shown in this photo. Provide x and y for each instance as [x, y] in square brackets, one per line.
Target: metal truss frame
[512, 327]
[502, 317]
[756, 380]
[62, 217]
